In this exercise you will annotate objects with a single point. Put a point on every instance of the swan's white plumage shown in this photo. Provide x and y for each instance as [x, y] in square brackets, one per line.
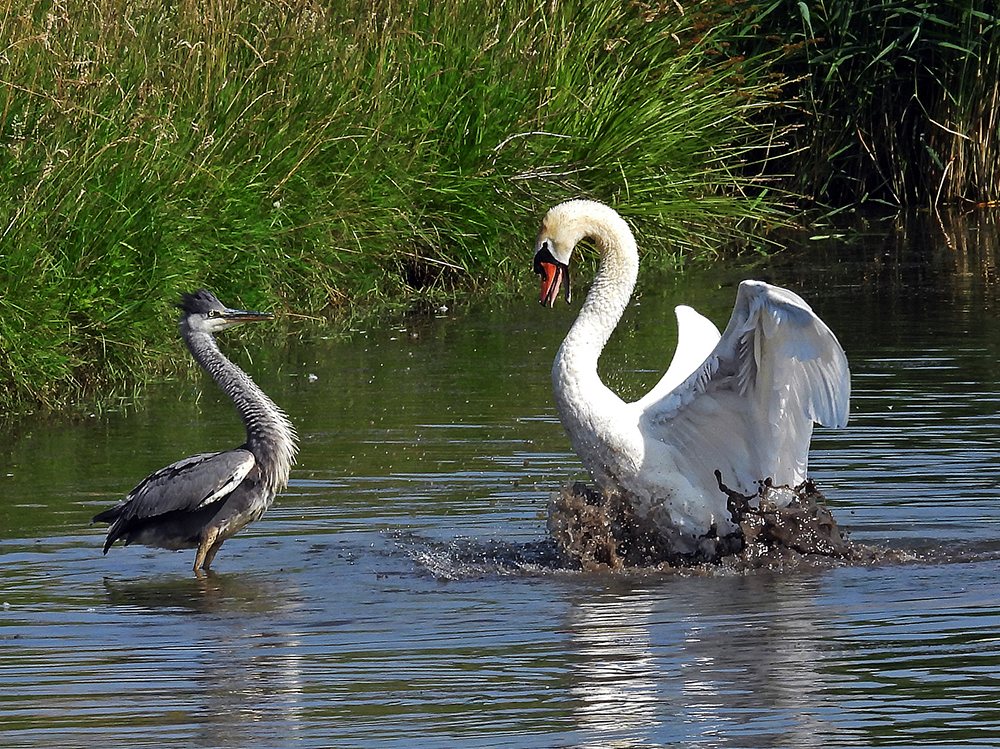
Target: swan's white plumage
[697, 337]
[742, 403]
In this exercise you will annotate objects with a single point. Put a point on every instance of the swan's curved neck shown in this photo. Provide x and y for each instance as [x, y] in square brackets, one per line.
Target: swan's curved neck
[270, 436]
[607, 299]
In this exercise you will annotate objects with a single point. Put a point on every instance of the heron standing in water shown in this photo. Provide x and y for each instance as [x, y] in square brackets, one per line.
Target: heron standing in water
[199, 502]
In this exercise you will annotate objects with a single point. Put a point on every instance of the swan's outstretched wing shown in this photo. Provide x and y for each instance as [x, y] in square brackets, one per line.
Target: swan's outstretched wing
[748, 410]
[697, 337]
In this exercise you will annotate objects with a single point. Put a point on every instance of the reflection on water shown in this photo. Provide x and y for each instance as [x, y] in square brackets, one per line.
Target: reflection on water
[707, 669]
[214, 594]
[400, 592]
[791, 660]
[616, 670]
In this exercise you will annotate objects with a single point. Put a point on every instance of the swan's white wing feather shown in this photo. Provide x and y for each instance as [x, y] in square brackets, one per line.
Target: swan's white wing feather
[793, 349]
[697, 337]
[748, 410]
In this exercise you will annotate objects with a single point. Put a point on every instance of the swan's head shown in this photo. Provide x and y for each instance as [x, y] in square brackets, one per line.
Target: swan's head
[552, 258]
[563, 227]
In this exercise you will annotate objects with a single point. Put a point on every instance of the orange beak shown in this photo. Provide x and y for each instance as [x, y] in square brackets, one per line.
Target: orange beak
[552, 278]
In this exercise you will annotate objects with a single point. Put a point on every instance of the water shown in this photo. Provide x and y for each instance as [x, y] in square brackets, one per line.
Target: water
[396, 595]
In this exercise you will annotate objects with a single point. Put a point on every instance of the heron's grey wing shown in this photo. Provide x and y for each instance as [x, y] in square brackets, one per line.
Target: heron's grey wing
[190, 483]
[748, 411]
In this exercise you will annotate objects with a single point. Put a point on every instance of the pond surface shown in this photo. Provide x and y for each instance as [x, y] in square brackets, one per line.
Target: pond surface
[394, 596]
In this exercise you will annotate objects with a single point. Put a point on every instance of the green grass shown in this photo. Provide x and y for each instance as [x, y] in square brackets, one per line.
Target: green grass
[899, 99]
[303, 158]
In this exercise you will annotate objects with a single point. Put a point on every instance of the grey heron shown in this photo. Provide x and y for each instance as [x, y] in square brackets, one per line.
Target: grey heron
[199, 502]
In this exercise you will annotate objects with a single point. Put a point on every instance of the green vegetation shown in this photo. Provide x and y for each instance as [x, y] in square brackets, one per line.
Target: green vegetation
[900, 99]
[320, 159]
[288, 153]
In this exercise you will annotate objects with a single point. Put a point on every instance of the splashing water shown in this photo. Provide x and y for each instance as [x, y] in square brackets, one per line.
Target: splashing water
[602, 533]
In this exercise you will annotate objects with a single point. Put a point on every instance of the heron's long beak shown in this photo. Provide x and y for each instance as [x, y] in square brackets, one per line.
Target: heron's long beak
[243, 315]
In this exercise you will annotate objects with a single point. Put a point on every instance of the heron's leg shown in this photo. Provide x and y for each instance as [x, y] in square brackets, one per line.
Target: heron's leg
[212, 552]
[204, 556]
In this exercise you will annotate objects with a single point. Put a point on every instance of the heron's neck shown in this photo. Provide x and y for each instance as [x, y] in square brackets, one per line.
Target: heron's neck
[270, 436]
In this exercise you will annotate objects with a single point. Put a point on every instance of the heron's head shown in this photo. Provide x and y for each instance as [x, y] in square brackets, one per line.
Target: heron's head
[202, 311]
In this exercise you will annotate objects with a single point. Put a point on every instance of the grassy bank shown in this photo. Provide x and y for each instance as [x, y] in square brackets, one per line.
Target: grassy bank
[291, 155]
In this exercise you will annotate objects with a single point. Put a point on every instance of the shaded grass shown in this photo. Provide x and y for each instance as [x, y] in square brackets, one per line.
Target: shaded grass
[899, 99]
[313, 157]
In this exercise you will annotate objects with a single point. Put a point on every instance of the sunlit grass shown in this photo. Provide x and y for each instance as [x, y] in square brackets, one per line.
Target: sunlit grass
[292, 155]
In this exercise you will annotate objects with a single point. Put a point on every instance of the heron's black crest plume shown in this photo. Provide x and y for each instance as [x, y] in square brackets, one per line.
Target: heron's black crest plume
[200, 301]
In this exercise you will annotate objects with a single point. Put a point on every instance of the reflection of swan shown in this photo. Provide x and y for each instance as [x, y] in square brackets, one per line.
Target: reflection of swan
[695, 661]
[742, 404]
[617, 678]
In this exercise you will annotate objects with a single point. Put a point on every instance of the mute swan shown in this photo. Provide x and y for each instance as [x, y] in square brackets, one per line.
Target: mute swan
[741, 404]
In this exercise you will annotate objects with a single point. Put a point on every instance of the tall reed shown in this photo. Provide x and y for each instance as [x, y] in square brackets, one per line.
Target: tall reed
[901, 98]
